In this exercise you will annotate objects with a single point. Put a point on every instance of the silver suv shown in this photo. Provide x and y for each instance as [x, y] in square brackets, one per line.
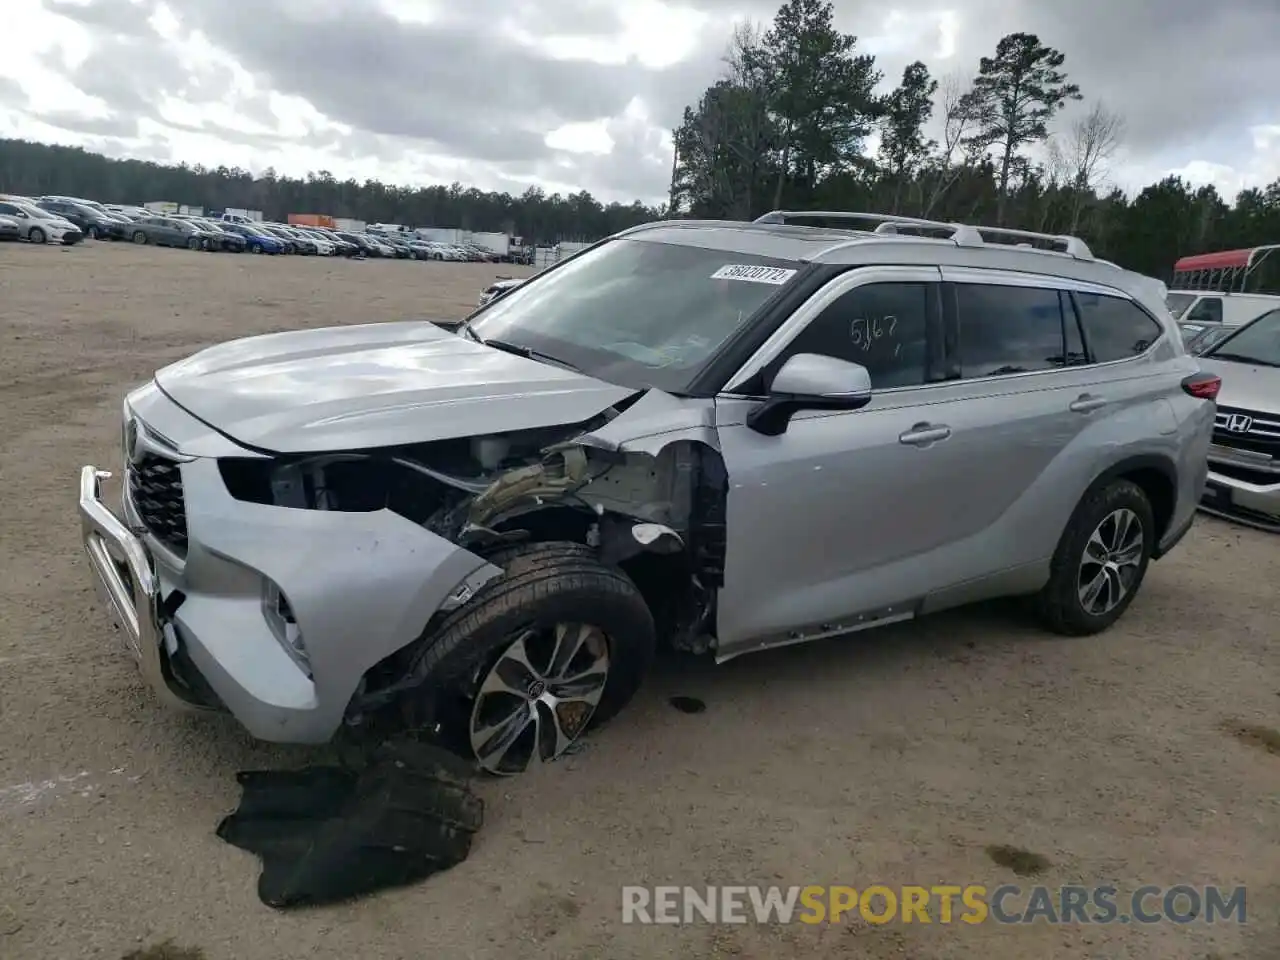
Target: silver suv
[731, 436]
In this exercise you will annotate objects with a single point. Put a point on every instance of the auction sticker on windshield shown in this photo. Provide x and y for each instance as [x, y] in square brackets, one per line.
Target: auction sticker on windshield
[753, 274]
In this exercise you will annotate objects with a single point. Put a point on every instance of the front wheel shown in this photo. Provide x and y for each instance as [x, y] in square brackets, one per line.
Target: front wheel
[36, 235]
[255, 248]
[1100, 561]
[193, 243]
[93, 233]
[557, 643]
[139, 237]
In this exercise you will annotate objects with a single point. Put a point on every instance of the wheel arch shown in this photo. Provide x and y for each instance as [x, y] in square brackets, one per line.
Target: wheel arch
[1156, 476]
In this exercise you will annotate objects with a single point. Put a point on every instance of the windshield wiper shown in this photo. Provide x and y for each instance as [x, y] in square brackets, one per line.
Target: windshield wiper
[527, 352]
[1241, 358]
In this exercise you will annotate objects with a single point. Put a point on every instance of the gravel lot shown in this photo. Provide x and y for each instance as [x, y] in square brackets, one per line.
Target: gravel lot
[896, 757]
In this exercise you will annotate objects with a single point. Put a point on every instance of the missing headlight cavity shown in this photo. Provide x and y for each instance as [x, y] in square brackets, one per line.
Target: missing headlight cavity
[419, 482]
[659, 515]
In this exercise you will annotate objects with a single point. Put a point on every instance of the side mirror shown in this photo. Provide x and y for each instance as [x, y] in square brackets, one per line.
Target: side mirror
[810, 381]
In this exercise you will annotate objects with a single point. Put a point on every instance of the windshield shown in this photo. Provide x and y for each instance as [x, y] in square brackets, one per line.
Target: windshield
[1256, 342]
[1208, 337]
[1178, 302]
[636, 312]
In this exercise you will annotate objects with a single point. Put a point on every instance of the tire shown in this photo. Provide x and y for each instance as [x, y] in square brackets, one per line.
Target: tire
[1059, 604]
[193, 243]
[542, 585]
[93, 233]
[139, 237]
[36, 235]
[255, 248]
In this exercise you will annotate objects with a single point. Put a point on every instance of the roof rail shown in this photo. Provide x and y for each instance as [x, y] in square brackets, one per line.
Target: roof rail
[963, 234]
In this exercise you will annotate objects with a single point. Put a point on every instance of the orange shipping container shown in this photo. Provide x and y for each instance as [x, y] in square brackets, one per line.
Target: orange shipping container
[311, 220]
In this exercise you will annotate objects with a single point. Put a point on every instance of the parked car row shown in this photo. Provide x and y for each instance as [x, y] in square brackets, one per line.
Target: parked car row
[22, 219]
[67, 220]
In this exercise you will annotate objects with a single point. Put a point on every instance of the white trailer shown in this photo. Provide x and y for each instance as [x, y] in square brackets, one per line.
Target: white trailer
[240, 215]
[440, 234]
[498, 243]
[346, 225]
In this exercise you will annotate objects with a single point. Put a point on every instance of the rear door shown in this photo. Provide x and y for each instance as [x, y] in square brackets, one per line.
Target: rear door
[1057, 373]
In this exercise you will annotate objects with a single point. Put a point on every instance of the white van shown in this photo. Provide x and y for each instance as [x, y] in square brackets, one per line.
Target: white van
[1210, 287]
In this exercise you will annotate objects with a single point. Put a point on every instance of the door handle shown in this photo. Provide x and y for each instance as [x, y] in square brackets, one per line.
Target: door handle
[1087, 403]
[923, 434]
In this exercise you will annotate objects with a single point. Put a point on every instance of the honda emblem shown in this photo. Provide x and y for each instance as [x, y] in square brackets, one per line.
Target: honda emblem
[1239, 423]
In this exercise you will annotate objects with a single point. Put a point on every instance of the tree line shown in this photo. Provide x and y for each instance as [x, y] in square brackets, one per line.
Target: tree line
[788, 124]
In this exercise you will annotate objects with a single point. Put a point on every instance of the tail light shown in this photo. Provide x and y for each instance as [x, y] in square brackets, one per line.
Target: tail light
[1202, 385]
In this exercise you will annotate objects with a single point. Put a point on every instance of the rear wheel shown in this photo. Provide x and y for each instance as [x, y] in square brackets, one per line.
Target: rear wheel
[193, 243]
[139, 237]
[557, 643]
[93, 233]
[1100, 561]
[36, 235]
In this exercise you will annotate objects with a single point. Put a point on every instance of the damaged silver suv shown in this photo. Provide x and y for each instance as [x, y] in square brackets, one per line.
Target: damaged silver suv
[728, 436]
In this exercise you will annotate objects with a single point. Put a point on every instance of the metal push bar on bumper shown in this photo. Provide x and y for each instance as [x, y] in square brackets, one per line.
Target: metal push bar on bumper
[133, 604]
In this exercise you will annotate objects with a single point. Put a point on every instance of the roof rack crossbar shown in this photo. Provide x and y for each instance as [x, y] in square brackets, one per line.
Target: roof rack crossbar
[963, 234]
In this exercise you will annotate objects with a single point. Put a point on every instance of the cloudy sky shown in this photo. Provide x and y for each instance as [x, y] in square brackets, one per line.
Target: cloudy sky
[574, 94]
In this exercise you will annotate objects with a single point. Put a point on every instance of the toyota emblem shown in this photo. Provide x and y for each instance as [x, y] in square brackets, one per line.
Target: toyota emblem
[1239, 423]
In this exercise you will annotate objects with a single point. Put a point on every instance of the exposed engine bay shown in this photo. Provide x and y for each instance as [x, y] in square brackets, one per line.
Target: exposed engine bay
[661, 518]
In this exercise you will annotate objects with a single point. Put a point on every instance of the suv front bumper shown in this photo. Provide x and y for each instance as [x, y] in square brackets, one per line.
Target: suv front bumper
[1243, 487]
[359, 586]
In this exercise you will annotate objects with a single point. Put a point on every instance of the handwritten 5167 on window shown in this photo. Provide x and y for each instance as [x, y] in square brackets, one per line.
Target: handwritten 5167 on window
[865, 332]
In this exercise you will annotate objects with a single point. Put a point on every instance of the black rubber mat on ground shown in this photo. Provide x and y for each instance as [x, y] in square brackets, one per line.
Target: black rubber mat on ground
[326, 834]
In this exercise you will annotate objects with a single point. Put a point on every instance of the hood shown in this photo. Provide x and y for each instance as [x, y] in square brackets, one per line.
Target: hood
[1245, 386]
[375, 385]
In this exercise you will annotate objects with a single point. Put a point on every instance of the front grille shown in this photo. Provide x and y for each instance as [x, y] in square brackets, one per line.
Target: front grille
[155, 489]
[1260, 433]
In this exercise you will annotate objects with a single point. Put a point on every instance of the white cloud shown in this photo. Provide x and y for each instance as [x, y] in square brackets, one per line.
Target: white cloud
[246, 116]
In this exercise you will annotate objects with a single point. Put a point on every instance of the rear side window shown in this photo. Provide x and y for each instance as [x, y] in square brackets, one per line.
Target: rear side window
[1006, 330]
[1115, 328]
[882, 326]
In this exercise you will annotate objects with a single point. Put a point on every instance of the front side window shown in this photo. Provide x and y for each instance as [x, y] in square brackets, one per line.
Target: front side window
[1208, 310]
[1005, 330]
[1115, 328]
[882, 326]
[1257, 342]
[636, 312]
[1178, 302]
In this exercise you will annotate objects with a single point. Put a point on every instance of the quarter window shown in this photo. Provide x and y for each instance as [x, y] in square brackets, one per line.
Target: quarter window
[1115, 328]
[882, 326]
[1007, 329]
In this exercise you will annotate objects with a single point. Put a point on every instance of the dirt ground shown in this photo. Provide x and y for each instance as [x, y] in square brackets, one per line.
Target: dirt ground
[896, 757]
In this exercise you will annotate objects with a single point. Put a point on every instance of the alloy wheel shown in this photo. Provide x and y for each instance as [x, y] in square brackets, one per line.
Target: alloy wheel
[1111, 562]
[538, 697]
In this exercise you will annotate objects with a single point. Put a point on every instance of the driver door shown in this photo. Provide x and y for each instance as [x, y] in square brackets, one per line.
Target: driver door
[830, 523]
